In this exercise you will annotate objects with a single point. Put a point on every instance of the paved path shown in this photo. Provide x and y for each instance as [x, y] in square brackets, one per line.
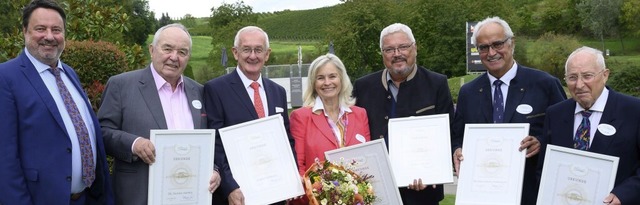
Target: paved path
[451, 188]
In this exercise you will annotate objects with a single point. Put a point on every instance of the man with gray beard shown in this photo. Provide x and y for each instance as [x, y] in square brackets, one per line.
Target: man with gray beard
[403, 89]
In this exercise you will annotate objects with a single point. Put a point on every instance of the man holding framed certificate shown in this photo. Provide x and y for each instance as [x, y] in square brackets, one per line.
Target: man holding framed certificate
[156, 97]
[507, 93]
[597, 120]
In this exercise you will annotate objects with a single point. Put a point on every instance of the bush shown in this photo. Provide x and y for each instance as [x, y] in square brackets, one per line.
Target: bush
[624, 77]
[549, 53]
[94, 62]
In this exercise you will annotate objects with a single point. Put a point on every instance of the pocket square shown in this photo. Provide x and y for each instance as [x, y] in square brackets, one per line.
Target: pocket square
[279, 110]
[425, 109]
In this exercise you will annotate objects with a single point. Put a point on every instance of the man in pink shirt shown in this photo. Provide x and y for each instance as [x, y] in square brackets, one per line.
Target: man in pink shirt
[156, 97]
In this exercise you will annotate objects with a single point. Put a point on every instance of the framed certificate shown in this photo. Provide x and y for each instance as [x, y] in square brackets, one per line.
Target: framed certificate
[183, 167]
[420, 148]
[371, 158]
[493, 168]
[572, 176]
[261, 160]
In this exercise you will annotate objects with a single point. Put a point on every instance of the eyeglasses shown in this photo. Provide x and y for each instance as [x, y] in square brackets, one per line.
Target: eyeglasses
[248, 50]
[586, 77]
[401, 48]
[495, 45]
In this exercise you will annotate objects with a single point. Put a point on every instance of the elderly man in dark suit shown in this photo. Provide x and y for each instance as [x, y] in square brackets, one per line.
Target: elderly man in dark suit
[52, 149]
[242, 96]
[597, 119]
[156, 97]
[521, 95]
[403, 89]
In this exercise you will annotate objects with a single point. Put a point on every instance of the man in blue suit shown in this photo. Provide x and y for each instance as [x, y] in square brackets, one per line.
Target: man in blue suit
[242, 96]
[613, 121]
[52, 149]
[524, 94]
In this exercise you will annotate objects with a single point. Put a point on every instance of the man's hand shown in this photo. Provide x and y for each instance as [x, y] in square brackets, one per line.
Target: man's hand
[214, 182]
[457, 158]
[418, 186]
[145, 150]
[612, 199]
[236, 197]
[531, 144]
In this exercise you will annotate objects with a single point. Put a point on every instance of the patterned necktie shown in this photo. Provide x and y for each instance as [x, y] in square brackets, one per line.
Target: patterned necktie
[498, 103]
[581, 139]
[88, 174]
[257, 101]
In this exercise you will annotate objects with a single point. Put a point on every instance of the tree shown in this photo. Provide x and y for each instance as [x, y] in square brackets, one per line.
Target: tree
[164, 20]
[92, 20]
[225, 21]
[600, 17]
[188, 21]
[630, 17]
[550, 52]
[141, 22]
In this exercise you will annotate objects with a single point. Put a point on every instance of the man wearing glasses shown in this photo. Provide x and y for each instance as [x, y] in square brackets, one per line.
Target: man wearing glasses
[403, 89]
[507, 93]
[597, 120]
[240, 96]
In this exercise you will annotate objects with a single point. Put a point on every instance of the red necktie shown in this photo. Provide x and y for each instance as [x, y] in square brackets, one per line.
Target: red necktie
[88, 174]
[257, 101]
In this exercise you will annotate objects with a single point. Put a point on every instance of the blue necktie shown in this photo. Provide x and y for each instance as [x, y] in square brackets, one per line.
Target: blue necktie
[86, 152]
[498, 103]
[581, 139]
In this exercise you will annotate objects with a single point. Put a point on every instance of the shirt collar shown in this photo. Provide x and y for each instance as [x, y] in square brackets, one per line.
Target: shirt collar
[320, 106]
[160, 81]
[40, 67]
[386, 76]
[246, 81]
[507, 77]
[597, 106]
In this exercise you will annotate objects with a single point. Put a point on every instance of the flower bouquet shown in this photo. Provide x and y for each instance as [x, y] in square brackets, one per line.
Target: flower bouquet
[327, 183]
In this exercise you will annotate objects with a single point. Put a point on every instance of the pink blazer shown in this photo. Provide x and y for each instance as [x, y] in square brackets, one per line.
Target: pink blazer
[313, 135]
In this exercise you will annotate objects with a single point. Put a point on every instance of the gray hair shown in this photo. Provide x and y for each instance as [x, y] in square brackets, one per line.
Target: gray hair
[344, 98]
[396, 27]
[585, 49]
[236, 40]
[173, 25]
[507, 29]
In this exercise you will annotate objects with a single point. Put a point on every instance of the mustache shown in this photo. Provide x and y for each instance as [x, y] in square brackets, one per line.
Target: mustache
[47, 42]
[398, 59]
[497, 56]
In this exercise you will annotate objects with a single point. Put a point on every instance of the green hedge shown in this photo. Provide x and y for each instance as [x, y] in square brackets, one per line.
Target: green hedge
[94, 62]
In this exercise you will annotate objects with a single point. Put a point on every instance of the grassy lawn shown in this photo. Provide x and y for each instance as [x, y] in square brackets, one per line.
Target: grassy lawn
[449, 199]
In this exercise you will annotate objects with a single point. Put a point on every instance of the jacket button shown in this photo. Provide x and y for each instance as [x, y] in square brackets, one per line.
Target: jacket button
[389, 97]
[68, 178]
[381, 137]
[386, 117]
[68, 150]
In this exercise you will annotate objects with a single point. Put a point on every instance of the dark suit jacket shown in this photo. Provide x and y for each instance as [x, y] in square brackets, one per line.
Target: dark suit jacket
[35, 164]
[623, 113]
[314, 136]
[227, 103]
[130, 109]
[530, 87]
[424, 93]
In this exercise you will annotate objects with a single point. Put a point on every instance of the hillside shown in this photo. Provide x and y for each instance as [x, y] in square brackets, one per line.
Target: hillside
[296, 25]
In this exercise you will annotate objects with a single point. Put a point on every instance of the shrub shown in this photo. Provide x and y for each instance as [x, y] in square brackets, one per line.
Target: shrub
[94, 62]
[549, 53]
[624, 77]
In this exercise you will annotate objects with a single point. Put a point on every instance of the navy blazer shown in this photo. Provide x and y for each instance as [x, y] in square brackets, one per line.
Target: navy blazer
[531, 87]
[623, 113]
[227, 103]
[424, 93]
[35, 164]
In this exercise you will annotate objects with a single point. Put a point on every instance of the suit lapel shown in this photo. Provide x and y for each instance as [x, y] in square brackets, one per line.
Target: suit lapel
[566, 126]
[515, 94]
[320, 121]
[239, 89]
[35, 80]
[192, 98]
[484, 94]
[152, 99]
[601, 142]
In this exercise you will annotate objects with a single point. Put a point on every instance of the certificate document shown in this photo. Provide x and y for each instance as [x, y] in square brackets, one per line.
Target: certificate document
[183, 167]
[261, 160]
[572, 176]
[493, 167]
[371, 158]
[420, 148]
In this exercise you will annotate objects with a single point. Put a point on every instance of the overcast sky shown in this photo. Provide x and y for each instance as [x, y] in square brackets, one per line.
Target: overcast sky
[202, 8]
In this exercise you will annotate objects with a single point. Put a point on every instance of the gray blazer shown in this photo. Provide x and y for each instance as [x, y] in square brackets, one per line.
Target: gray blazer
[130, 108]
